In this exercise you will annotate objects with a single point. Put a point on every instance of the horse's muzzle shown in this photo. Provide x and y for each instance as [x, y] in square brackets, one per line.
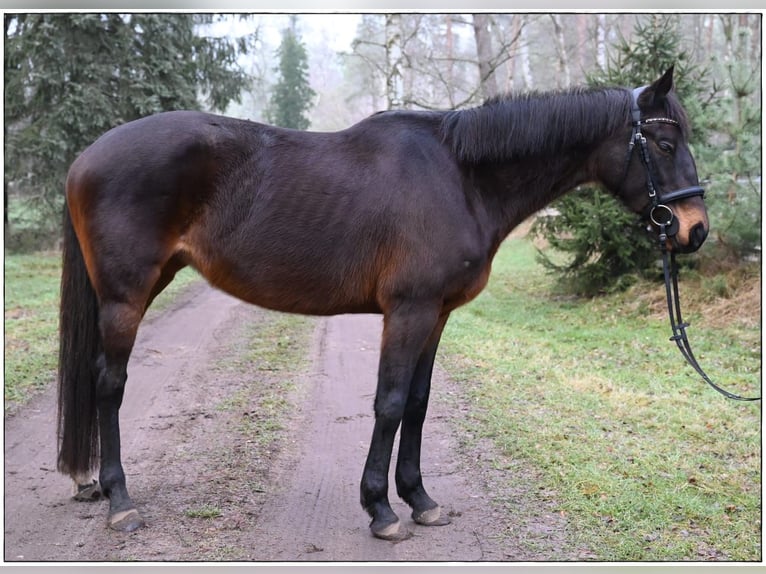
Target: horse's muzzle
[697, 236]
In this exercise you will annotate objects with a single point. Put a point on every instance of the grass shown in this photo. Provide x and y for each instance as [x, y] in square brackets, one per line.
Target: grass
[649, 464]
[270, 353]
[31, 321]
[206, 512]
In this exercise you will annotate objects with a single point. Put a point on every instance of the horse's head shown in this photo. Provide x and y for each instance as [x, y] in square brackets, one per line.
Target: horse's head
[649, 166]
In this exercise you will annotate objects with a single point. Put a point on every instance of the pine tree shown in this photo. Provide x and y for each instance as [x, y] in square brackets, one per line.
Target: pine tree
[606, 245]
[292, 96]
[730, 163]
[71, 77]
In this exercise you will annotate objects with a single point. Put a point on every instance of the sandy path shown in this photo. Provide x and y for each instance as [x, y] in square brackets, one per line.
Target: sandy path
[41, 524]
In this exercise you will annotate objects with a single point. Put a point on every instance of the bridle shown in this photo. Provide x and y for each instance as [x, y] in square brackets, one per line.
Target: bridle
[658, 211]
[664, 218]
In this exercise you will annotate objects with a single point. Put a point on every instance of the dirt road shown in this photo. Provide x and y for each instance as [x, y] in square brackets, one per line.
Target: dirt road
[209, 494]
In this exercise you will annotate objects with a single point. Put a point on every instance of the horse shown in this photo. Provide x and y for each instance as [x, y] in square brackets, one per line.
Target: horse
[400, 214]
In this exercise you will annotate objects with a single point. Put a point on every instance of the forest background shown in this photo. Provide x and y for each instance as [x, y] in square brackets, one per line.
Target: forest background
[70, 77]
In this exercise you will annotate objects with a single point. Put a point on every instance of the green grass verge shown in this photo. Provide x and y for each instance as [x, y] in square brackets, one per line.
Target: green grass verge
[649, 463]
[31, 321]
[263, 364]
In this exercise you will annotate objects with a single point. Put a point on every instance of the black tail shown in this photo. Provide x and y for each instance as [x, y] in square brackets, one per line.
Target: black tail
[79, 347]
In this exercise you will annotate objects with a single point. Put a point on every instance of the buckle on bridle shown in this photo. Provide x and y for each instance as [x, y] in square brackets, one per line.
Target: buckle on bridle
[663, 215]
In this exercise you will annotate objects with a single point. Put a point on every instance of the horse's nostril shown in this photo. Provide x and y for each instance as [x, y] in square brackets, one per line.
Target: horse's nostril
[697, 236]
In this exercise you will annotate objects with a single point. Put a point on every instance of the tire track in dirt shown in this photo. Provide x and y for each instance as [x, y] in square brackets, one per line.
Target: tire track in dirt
[178, 452]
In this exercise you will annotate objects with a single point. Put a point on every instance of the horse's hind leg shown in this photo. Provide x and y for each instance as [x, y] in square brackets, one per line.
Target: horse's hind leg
[119, 324]
[124, 297]
[86, 488]
[409, 480]
[125, 294]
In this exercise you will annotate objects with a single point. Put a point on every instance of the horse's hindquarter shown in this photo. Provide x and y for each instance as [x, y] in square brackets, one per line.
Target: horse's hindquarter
[341, 222]
[133, 193]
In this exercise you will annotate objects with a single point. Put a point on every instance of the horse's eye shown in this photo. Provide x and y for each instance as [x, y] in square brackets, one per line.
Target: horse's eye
[666, 146]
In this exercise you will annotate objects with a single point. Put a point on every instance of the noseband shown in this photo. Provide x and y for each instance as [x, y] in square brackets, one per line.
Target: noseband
[663, 217]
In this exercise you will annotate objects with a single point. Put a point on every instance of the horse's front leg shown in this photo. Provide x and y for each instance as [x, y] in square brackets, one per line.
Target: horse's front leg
[406, 332]
[409, 480]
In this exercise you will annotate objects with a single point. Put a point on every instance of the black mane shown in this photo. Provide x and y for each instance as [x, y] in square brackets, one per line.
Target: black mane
[540, 124]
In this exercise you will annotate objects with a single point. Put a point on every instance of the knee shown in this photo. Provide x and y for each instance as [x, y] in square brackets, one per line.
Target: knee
[390, 407]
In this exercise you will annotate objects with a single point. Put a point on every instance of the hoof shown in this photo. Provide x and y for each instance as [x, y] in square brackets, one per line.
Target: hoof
[126, 521]
[87, 492]
[431, 517]
[394, 532]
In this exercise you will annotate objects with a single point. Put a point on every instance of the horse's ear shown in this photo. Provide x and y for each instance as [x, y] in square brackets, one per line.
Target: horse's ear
[655, 93]
[661, 87]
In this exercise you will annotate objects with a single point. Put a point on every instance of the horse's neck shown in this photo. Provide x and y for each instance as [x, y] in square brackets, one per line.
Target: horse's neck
[515, 191]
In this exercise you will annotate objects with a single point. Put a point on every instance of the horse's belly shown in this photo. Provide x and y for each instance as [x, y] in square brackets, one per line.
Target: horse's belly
[299, 297]
[286, 283]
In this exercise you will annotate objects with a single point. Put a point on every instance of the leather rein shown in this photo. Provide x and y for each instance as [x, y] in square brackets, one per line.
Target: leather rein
[664, 218]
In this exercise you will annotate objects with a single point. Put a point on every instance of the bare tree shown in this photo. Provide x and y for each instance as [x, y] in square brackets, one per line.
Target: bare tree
[582, 40]
[506, 50]
[450, 50]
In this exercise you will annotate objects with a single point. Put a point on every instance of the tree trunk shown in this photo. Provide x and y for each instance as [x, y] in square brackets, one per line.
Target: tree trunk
[394, 84]
[563, 78]
[582, 41]
[710, 28]
[601, 41]
[481, 32]
[526, 66]
[450, 58]
[727, 22]
[753, 23]
[514, 52]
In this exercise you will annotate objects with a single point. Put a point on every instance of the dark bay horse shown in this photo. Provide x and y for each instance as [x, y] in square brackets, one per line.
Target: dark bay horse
[400, 214]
